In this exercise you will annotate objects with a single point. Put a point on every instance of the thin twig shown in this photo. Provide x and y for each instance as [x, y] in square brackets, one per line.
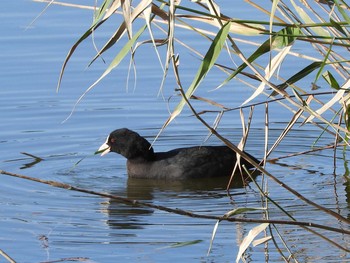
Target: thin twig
[332, 146]
[268, 101]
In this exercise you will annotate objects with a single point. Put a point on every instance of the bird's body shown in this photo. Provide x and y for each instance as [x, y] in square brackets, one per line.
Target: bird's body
[177, 164]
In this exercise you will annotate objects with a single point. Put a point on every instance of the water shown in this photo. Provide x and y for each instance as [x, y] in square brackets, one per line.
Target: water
[42, 223]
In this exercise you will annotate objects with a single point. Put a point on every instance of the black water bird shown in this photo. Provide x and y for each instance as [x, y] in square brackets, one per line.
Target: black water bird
[177, 164]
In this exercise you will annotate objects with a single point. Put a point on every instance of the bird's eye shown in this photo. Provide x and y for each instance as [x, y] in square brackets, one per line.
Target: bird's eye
[113, 140]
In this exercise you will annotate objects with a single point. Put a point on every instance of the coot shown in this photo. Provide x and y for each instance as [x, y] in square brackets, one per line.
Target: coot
[177, 164]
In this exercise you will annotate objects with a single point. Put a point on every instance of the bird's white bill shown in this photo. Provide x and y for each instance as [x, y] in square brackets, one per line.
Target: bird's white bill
[104, 148]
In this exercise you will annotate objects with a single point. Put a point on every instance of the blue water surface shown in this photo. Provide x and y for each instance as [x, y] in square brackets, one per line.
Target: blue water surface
[40, 223]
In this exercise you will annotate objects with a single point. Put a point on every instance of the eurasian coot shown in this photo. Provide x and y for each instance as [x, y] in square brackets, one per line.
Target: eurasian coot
[177, 164]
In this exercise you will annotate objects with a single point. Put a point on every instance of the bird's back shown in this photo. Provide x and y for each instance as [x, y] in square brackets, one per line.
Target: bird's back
[186, 163]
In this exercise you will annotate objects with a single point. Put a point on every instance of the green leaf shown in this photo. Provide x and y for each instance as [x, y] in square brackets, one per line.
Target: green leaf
[324, 63]
[138, 10]
[96, 23]
[342, 12]
[347, 117]
[331, 80]
[101, 10]
[120, 56]
[183, 244]
[283, 38]
[73, 48]
[186, 243]
[308, 20]
[298, 76]
[304, 72]
[241, 210]
[207, 63]
[338, 27]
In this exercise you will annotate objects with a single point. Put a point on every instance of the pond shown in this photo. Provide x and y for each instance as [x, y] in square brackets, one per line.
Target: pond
[41, 223]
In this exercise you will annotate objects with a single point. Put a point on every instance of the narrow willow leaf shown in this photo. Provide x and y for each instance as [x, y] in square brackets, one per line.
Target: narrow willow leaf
[269, 71]
[249, 238]
[283, 38]
[304, 72]
[242, 210]
[272, 14]
[49, 3]
[342, 12]
[346, 166]
[299, 97]
[138, 10]
[331, 80]
[123, 52]
[114, 39]
[147, 16]
[102, 10]
[121, 30]
[185, 243]
[338, 27]
[73, 48]
[213, 236]
[100, 151]
[347, 117]
[319, 31]
[213, 7]
[298, 76]
[324, 63]
[330, 103]
[207, 63]
[170, 41]
[337, 97]
[273, 11]
[33, 156]
[126, 7]
[93, 27]
[246, 29]
[261, 241]
[114, 7]
[285, 131]
[236, 211]
[215, 125]
[78, 162]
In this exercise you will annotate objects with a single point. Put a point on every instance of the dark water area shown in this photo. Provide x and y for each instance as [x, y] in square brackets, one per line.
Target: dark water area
[41, 223]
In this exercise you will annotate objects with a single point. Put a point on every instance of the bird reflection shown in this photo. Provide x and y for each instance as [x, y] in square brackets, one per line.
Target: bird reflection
[123, 216]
